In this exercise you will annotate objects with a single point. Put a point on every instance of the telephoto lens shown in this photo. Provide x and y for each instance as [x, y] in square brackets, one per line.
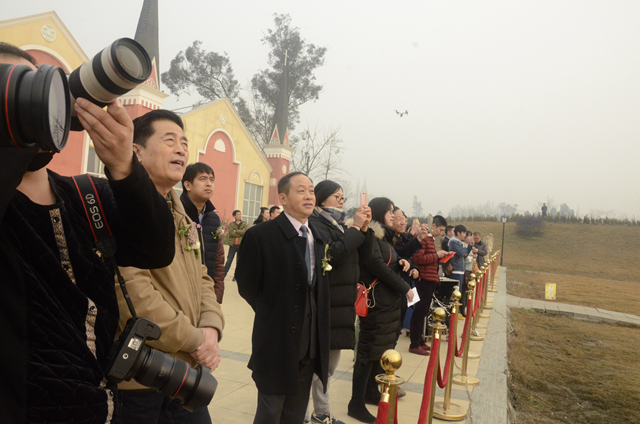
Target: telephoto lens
[174, 378]
[116, 70]
[130, 358]
[34, 107]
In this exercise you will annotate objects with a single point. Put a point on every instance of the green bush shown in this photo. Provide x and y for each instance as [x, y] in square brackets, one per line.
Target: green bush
[530, 226]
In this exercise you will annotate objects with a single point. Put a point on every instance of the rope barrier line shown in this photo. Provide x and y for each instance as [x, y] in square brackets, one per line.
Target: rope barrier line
[426, 408]
[463, 378]
[442, 381]
[476, 305]
[460, 352]
[383, 411]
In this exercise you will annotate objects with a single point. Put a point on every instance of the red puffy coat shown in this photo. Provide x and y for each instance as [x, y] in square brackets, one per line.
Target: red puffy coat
[427, 260]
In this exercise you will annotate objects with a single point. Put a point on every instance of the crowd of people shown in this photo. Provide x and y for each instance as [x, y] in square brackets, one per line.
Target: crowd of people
[297, 267]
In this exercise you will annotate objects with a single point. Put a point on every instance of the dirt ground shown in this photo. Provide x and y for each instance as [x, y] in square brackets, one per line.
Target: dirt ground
[565, 370]
[592, 265]
[612, 295]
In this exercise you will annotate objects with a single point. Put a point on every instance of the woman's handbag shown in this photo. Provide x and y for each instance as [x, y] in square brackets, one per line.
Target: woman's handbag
[362, 297]
[361, 301]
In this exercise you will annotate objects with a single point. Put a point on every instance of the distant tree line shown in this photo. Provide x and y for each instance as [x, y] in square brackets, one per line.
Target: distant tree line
[559, 214]
[549, 218]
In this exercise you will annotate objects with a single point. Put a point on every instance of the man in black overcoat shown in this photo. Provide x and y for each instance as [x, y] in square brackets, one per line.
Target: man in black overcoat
[290, 340]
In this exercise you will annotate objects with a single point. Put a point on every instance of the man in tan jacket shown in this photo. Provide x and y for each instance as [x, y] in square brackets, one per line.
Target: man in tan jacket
[180, 298]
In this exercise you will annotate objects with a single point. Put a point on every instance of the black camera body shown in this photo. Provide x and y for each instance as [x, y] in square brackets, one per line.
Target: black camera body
[128, 349]
[130, 358]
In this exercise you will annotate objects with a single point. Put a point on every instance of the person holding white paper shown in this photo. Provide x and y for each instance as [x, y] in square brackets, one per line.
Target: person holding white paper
[378, 330]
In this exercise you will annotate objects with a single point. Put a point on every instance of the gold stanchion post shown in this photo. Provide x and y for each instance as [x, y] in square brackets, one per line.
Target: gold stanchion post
[484, 299]
[488, 305]
[439, 315]
[494, 270]
[463, 378]
[485, 285]
[472, 328]
[476, 317]
[446, 410]
[390, 361]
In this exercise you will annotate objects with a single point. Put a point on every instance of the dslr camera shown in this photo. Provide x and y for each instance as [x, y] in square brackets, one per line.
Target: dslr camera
[36, 112]
[36, 106]
[130, 358]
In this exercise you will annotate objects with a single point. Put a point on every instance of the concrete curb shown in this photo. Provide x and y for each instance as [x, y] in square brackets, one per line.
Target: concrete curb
[489, 400]
[579, 312]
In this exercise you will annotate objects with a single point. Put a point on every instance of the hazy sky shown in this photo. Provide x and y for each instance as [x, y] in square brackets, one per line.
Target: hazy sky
[509, 101]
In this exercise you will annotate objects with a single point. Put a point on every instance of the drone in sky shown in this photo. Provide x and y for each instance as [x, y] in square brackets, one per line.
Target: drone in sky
[406, 112]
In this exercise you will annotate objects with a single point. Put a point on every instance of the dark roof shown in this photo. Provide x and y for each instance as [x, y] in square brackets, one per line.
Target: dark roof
[147, 31]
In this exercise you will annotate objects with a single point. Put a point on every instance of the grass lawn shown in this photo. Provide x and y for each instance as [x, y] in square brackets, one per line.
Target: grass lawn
[591, 265]
[564, 370]
[568, 371]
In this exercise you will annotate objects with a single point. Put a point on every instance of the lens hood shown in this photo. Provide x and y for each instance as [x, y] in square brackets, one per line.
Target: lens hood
[34, 107]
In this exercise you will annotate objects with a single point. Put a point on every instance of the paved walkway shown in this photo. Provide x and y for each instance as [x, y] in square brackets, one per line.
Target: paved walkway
[236, 397]
[575, 311]
[487, 403]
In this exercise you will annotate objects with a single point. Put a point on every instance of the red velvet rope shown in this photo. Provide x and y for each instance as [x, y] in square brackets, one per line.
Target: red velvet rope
[477, 300]
[383, 411]
[442, 381]
[426, 393]
[460, 351]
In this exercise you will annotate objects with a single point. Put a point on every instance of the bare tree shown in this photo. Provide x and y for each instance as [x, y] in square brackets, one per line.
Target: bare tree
[317, 153]
[261, 126]
[417, 207]
[349, 192]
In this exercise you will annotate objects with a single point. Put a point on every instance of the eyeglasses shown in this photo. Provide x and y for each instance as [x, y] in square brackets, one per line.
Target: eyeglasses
[340, 198]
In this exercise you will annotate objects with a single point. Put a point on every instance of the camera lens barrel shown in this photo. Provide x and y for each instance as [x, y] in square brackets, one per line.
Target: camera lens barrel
[174, 378]
[116, 70]
[34, 107]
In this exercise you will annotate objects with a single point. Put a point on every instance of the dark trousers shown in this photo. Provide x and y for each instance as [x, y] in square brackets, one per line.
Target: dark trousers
[420, 310]
[287, 409]
[403, 313]
[363, 385]
[150, 407]
[232, 253]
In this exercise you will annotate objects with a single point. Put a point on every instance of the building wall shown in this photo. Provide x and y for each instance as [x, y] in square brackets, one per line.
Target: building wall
[217, 120]
[23, 33]
[219, 155]
[48, 41]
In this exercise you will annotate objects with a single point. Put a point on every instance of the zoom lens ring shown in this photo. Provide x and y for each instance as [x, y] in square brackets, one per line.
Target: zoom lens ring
[103, 79]
[78, 90]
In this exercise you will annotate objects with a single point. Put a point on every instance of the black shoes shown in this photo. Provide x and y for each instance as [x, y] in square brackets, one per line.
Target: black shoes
[359, 411]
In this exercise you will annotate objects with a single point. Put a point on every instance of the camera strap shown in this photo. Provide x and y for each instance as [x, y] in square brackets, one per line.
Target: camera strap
[105, 241]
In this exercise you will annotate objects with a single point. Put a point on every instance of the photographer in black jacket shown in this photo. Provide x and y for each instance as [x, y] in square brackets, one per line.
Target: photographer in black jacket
[58, 308]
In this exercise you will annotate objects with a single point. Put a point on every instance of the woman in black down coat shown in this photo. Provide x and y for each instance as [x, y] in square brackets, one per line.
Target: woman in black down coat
[347, 248]
[378, 330]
